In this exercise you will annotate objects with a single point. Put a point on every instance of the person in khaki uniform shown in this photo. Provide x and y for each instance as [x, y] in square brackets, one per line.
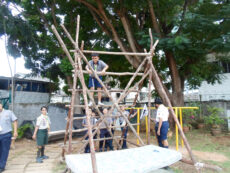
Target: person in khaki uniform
[41, 134]
[7, 117]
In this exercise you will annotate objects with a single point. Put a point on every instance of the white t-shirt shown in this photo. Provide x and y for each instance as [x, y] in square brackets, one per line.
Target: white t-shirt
[43, 122]
[162, 112]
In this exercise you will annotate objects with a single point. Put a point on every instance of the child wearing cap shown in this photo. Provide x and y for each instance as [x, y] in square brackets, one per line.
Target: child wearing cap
[98, 66]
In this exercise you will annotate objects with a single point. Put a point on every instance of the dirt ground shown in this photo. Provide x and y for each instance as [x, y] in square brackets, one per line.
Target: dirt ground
[206, 149]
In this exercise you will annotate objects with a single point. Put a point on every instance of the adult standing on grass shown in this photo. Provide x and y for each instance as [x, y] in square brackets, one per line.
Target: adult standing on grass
[7, 117]
[41, 134]
[98, 66]
[162, 124]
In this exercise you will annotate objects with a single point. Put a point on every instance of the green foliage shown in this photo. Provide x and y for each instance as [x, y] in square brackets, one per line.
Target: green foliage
[22, 130]
[214, 116]
[188, 35]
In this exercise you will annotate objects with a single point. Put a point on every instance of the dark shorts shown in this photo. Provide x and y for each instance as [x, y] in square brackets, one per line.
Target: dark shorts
[93, 82]
[164, 130]
[42, 137]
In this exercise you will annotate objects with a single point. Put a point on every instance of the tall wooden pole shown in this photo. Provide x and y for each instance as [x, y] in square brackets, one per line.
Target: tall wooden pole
[149, 105]
[91, 143]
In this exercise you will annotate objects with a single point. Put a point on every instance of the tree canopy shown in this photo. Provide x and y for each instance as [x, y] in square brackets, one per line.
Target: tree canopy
[188, 30]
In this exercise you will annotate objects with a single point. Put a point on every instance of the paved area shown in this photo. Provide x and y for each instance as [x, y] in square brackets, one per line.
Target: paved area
[22, 159]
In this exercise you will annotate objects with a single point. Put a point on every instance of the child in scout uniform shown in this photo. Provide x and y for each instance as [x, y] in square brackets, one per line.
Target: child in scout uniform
[162, 124]
[41, 134]
[93, 121]
[123, 122]
[105, 133]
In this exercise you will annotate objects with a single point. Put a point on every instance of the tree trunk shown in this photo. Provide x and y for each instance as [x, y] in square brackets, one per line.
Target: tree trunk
[177, 87]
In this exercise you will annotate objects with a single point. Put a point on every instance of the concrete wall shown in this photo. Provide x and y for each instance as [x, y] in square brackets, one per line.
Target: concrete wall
[4, 93]
[30, 111]
[31, 97]
[217, 91]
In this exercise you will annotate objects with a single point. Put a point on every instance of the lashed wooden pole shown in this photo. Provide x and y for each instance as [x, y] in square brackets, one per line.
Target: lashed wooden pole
[92, 148]
[70, 119]
[149, 105]
[62, 45]
[114, 53]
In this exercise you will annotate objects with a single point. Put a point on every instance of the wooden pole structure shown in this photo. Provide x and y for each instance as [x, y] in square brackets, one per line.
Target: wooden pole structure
[151, 72]
[149, 105]
[109, 95]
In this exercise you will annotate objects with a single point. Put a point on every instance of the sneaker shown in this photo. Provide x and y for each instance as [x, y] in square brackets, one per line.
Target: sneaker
[39, 160]
[100, 150]
[90, 104]
[1, 170]
[44, 157]
[99, 103]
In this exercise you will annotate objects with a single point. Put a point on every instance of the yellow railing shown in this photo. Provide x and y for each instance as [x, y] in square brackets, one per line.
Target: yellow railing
[176, 109]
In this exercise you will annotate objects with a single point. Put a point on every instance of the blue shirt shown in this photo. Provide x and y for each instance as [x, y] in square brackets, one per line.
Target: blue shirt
[6, 119]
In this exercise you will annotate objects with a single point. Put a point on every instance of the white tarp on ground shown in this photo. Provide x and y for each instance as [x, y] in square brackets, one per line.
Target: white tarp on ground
[135, 160]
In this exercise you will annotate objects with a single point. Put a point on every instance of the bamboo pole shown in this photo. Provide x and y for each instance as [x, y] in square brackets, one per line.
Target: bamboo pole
[109, 95]
[113, 90]
[114, 73]
[149, 105]
[85, 129]
[62, 45]
[151, 37]
[66, 134]
[81, 118]
[92, 151]
[199, 165]
[83, 141]
[72, 109]
[114, 53]
[91, 143]
[83, 106]
[68, 34]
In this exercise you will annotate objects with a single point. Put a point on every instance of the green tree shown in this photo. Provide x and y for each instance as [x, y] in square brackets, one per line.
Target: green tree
[188, 30]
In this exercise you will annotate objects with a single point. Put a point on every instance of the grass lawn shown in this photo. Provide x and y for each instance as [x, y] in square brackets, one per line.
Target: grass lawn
[211, 148]
[207, 149]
